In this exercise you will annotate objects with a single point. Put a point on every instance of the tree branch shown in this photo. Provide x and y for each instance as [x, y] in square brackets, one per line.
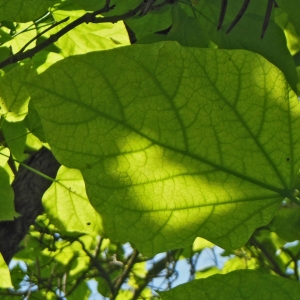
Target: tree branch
[28, 188]
[125, 274]
[86, 18]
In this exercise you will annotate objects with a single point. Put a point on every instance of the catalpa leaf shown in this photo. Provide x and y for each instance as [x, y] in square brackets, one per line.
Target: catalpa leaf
[67, 205]
[174, 142]
[241, 284]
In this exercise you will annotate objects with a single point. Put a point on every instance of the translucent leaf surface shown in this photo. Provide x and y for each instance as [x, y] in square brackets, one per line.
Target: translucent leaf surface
[23, 33]
[4, 155]
[7, 207]
[88, 37]
[174, 142]
[33, 123]
[5, 280]
[291, 8]
[23, 10]
[286, 224]
[240, 284]
[14, 97]
[67, 204]
[90, 5]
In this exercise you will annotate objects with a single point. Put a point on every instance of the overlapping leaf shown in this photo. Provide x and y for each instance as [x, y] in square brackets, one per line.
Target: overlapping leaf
[174, 142]
[7, 208]
[67, 205]
[242, 284]
[5, 280]
[14, 97]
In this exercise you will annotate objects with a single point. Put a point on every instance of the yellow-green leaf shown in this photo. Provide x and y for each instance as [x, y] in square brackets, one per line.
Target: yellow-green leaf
[67, 205]
[174, 142]
[5, 280]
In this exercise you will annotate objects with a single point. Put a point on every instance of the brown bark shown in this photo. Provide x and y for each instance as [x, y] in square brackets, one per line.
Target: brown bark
[29, 189]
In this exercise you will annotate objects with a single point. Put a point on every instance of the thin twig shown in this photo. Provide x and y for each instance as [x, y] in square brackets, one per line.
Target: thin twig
[125, 274]
[273, 264]
[86, 18]
[41, 33]
[98, 266]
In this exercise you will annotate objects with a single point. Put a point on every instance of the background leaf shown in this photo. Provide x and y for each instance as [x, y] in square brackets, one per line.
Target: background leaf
[5, 280]
[87, 37]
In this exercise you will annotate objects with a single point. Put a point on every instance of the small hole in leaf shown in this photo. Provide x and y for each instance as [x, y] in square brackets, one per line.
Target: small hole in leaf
[288, 159]
[88, 223]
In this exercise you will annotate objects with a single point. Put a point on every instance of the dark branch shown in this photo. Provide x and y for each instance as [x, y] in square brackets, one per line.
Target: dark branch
[125, 274]
[86, 18]
[28, 189]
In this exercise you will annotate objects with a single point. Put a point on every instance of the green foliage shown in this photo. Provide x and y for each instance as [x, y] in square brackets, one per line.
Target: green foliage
[6, 197]
[173, 129]
[4, 274]
[186, 140]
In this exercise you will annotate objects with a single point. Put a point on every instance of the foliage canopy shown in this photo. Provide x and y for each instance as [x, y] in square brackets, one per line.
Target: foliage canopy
[176, 125]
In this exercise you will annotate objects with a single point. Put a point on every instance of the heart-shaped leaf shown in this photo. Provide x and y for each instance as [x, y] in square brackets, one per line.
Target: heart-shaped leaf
[174, 142]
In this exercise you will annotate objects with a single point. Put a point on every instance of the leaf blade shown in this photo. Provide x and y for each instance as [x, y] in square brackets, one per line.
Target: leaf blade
[176, 142]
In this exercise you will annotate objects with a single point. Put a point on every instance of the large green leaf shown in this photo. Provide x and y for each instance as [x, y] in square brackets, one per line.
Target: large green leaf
[242, 284]
[174, 142]
[246, 34]
[15, 137]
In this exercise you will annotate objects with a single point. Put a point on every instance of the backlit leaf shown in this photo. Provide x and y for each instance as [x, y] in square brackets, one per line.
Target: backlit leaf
[174, 142]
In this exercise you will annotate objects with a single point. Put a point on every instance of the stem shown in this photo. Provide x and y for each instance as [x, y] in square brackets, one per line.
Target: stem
[32, 169]
[274, 266]
[125, 274]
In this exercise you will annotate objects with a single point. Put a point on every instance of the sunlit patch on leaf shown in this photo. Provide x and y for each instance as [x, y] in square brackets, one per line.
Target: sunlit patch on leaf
[178, 143]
